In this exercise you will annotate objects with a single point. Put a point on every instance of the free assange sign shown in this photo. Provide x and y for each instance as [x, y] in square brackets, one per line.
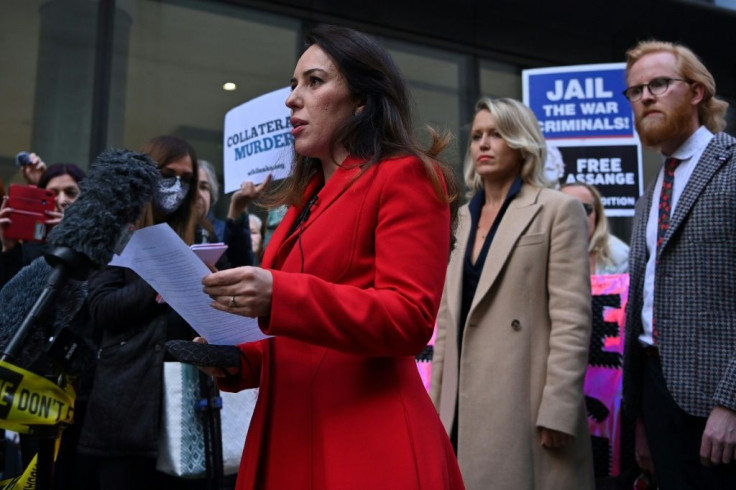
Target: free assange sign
[258, 140]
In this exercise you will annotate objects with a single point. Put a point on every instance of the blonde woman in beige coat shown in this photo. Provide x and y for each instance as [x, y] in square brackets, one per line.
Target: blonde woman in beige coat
[518, 287]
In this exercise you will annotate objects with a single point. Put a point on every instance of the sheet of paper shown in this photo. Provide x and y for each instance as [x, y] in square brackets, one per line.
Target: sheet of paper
[163, 260]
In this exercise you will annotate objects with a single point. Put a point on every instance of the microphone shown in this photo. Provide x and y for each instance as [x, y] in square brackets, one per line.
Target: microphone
[48, 293]
[119, 185]
[304, 214]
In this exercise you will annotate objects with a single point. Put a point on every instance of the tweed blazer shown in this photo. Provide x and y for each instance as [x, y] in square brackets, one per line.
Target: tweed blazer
[694, 289]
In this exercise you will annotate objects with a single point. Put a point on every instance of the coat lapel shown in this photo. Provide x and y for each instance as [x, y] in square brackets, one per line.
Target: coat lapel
[454, 285]
[338, 184]
[519, 214]
[281, 244]
[713, 158]
[638, 252]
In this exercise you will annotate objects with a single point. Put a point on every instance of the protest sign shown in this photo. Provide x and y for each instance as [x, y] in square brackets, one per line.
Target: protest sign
[579, 101]
[583, 113]
[258, 140]
[604, 376]
[614, 170]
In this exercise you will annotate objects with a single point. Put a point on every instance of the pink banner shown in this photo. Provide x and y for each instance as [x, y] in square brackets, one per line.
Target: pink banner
[424, 361]
[603, 380]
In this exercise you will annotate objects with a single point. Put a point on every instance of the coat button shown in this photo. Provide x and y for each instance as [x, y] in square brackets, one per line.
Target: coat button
[516, 325]
[157, 347]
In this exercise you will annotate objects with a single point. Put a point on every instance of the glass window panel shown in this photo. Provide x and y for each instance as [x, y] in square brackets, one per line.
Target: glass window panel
[177, 58]
[436, 81]
[47, 51]
[500, 80]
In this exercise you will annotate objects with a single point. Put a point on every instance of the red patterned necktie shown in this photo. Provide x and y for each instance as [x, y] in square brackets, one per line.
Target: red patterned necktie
[663, 221]
[665, 200]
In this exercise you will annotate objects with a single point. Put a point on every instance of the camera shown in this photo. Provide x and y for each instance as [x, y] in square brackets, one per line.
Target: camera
[22, 159]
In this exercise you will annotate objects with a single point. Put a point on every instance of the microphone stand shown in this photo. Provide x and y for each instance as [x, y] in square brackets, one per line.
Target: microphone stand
[67, 264]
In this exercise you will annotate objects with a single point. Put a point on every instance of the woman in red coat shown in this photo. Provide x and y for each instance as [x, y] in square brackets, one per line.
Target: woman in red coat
[349, 289]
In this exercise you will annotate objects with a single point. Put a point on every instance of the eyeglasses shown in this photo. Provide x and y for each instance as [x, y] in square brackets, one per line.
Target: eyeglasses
[588, 208]
[656, 86]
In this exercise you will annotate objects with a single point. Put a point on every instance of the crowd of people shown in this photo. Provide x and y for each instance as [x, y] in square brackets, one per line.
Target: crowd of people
[365, 251]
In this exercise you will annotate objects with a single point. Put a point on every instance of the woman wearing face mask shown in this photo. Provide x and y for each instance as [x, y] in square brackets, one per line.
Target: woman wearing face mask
[63, 179]
[121, 430]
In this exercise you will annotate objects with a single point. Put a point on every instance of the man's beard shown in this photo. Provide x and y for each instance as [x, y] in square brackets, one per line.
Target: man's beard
[665, 126]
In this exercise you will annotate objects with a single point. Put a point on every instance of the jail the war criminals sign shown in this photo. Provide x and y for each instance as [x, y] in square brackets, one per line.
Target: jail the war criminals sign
[258, 140]
[584, 101]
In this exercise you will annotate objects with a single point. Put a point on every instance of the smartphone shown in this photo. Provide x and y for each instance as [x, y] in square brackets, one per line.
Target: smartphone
[210, 253]
[28, 219]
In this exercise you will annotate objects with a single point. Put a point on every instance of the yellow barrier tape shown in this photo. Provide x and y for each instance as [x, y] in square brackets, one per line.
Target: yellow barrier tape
[27, 399]
[27, 481]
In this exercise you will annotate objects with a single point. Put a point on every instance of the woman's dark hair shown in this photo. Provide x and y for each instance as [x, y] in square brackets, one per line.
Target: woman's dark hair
[164, 150]
[383, 128]
[59, 169]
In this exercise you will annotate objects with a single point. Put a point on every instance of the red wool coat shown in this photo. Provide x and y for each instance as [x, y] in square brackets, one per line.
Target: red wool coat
[341, 404]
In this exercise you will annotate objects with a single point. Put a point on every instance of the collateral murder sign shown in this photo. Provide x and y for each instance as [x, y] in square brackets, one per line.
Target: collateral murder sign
[582, 111]
[258, 140]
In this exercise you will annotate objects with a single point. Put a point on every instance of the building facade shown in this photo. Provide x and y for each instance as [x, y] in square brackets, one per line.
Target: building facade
[79, 76]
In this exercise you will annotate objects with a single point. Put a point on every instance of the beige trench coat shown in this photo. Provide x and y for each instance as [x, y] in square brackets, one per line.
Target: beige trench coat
[524, 350]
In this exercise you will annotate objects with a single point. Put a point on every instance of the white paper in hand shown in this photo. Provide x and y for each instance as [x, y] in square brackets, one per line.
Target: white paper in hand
[163, 260]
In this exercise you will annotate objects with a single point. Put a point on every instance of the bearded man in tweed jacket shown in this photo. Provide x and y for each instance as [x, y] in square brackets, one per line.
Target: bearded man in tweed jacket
[680, 350]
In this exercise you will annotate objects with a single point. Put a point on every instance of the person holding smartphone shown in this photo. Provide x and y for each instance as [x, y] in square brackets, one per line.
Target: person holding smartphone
[63, 179]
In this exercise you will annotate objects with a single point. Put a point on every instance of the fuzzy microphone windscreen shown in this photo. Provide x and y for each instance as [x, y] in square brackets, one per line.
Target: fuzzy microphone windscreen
[119, 185]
